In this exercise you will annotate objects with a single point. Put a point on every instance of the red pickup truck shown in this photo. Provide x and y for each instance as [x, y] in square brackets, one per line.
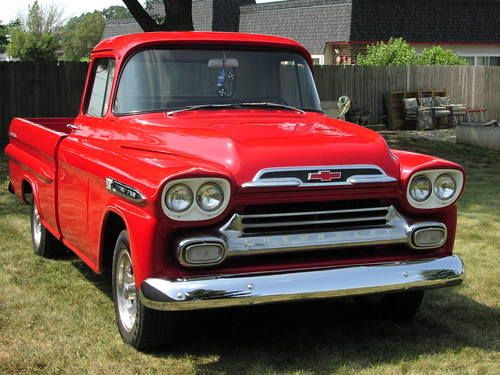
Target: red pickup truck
[201, 170]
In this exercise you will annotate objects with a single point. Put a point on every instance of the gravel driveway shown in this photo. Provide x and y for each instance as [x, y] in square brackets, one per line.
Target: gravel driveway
[445, 135]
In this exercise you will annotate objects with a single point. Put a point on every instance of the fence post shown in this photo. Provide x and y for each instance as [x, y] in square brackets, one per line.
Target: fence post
[473, 104]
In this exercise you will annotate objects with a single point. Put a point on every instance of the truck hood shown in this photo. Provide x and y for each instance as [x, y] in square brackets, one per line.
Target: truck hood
[243, 142]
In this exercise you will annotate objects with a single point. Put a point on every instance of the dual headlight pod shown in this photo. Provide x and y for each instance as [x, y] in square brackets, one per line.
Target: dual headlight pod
[195, 199]
[435, 188]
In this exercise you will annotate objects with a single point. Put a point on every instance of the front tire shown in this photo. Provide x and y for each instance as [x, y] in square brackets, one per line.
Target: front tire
[139, 326]
[44, 243]
[402, 307]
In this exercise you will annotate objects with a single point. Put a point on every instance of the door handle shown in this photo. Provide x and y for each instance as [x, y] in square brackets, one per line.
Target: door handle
[73, 127]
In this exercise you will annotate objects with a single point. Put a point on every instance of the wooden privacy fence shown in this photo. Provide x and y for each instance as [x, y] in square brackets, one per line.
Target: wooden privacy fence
[30, 89]
[54, 89]
[367, 86]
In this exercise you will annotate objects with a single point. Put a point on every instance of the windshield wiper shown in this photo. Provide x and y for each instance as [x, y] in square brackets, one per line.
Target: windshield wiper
[273, 105]
[235, 105]
[202, 106]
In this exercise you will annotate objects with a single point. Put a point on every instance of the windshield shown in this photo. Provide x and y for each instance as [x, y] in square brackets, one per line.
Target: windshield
[168, 79]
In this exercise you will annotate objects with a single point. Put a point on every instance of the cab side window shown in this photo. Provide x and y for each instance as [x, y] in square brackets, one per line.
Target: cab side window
[102, 77]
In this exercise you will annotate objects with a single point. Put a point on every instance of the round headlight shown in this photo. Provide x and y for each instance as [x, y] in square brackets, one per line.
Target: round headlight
[210, 197]
[420, 188]
[445, 187]
[179, 198]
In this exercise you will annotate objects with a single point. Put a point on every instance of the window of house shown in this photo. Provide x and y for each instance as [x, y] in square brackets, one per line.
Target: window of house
[469, 59]
[103, 73]
[494, 61]
[318, 59]
[483, 60]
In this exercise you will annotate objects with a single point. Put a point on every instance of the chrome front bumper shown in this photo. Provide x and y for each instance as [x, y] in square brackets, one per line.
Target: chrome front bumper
[238, 290]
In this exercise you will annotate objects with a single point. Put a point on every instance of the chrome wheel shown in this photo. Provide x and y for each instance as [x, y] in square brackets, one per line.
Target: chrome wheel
[126, 296]
[37, 227]
[139, 326]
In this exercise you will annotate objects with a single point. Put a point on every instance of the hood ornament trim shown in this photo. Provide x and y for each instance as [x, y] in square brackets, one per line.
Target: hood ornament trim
[344, 175]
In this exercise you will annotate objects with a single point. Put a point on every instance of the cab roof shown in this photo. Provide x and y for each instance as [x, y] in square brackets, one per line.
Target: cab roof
[121, 45]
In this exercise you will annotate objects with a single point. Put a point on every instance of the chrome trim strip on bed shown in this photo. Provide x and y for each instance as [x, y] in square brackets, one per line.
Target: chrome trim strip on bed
[260, 182]
[220, 291]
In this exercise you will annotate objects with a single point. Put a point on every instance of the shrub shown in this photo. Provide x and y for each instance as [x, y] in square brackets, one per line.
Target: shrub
[398, 52]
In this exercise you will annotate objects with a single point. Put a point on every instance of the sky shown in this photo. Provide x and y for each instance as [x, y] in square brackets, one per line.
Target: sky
[9, 9]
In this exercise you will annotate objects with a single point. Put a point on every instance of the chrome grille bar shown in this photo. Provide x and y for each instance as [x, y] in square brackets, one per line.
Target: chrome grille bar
[312, 222]
[305, 220]
[305, 213]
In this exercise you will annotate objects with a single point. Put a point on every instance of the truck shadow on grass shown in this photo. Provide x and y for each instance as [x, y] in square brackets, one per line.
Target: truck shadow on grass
[323, 336]
[101, 282]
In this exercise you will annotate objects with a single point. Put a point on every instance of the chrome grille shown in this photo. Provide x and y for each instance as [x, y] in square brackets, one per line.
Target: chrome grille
[310, 217]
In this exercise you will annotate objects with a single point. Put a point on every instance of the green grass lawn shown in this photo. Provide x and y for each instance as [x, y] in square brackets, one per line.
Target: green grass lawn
[57, 317]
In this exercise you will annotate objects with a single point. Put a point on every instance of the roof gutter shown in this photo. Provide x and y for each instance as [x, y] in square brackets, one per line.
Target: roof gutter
[366, 42]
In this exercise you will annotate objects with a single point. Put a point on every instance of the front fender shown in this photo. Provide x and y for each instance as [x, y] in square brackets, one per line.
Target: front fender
[141, 227]
[411, 162]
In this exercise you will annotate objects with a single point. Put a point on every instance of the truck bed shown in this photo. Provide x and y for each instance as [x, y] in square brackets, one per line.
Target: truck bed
[57, 124]
[32, 152]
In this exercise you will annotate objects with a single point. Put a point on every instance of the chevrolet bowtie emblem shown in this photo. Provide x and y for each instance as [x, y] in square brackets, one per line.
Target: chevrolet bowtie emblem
[324, 176]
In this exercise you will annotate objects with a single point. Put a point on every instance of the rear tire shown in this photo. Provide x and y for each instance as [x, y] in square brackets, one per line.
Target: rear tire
[44, 243]
[139, 326]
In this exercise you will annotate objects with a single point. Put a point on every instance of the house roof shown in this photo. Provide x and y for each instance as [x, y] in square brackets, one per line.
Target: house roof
[311, 22]
[314, 23]
[452, 21]
[208, 15]
[120, 27]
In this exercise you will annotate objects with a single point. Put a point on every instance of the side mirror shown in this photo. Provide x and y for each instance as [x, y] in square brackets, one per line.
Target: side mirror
[343, 105]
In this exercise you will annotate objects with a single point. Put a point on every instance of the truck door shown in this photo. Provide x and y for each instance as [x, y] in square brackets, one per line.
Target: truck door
[76, 162]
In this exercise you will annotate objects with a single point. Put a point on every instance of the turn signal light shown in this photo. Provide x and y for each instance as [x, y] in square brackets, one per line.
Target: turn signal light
[202, 254]
[429, 237]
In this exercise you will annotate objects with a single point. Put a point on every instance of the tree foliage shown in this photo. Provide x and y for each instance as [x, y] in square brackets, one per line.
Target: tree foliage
[437, 55]
[3, 38]
[81, 34]
[116, 12]
[178, 15]
[398, 52]
[34, 38]
[395, 52]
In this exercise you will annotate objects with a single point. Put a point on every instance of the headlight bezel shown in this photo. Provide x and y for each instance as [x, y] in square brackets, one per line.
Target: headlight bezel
[195, 212]
[433, 201]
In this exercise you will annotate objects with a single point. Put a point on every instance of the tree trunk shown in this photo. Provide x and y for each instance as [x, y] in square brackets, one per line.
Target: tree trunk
[178, 16]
